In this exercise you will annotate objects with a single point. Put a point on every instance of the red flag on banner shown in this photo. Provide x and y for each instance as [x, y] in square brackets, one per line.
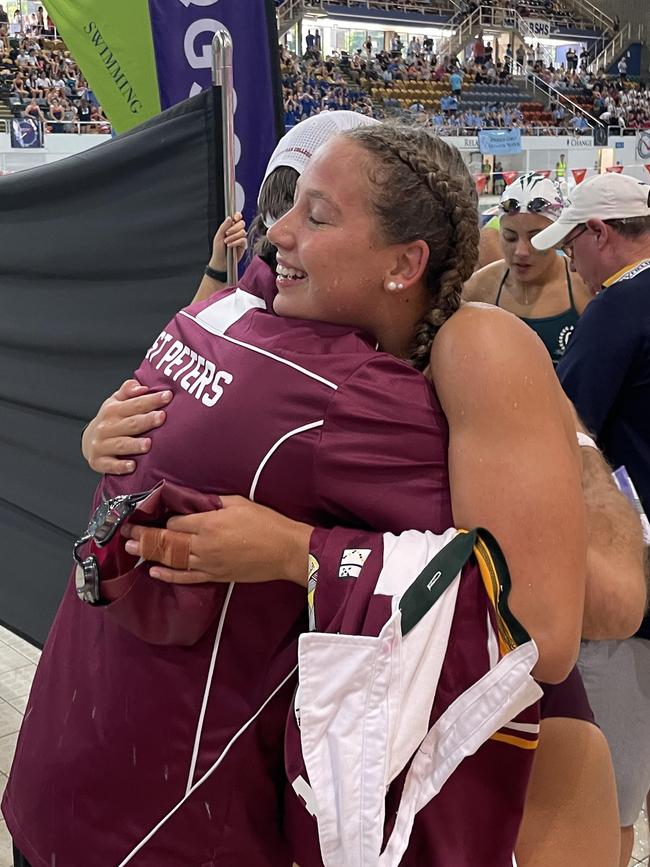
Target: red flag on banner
[509, 177]
[481, 183]
[545, 172]
[579, 175]
[617, 169]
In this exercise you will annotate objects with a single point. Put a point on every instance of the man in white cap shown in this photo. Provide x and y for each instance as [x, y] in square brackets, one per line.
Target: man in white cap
[605, 231]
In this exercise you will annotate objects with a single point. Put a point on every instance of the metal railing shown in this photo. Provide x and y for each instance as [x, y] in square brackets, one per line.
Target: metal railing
[525, 31]
[421, 7]
[65, 127]
[617, 44]
[509, 19]
[463, 35]
[289, 12]
[592, 13]
[76, 127]
[548, 91]
[526, 130]
[488, 17]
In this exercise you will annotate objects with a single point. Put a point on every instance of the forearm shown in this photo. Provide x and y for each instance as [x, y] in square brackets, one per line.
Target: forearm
[615, 592]
[208, 286]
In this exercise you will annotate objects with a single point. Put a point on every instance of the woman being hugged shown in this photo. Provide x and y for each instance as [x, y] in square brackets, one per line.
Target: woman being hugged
[321, 412]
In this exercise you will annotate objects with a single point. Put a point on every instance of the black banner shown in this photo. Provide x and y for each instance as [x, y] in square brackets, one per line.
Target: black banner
[97, 251]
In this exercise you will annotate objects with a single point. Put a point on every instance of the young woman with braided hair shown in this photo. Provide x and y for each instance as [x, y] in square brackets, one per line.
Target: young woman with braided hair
[582, 822]
[320, 414]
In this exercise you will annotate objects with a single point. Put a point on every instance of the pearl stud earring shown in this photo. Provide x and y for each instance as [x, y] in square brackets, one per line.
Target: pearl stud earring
[391, 286]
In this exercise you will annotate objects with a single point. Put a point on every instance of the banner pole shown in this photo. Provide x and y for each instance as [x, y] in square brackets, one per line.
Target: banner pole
[222, 77]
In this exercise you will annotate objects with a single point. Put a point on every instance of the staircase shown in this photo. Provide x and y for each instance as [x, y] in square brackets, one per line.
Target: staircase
[588, 12]
[538, 90]
[463, 35]
[617, 45]
[491, 18]
[289, 12]
[5, 111]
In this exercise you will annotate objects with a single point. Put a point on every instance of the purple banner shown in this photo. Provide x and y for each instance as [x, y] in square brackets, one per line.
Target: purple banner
[182, 34]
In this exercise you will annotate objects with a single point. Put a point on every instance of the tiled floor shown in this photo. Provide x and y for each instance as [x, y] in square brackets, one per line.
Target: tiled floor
[17, 666]
[641, 843]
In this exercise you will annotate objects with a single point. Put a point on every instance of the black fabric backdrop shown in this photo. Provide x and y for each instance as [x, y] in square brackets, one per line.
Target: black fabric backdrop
[97, 251]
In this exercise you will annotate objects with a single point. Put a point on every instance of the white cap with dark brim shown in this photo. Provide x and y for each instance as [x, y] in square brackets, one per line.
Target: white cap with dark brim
[610, 196]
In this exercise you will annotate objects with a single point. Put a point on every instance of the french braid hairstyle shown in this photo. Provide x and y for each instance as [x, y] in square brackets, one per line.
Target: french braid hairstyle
[422, 190]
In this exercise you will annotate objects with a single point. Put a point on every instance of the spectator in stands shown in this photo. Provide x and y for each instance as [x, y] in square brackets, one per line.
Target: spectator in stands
[414, 48]
[56, 114]
[530, 56]
[4, 18]
[309, 41]
[84, 114]
[622, 68]
[584, 57]
[43, 83]
[19, 87]
[34, 110]
[579, 124]
[539, 53]
[479, 49]
[40, 19]
[456, 83]
[521, 55]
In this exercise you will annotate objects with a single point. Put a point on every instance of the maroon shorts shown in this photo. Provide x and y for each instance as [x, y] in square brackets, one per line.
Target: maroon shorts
[566, 699]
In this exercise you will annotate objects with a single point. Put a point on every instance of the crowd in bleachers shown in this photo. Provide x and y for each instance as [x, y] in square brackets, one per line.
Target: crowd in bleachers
[612, 98]
[311, 84]
[41, 80]
[410, 82]
[619, 103]
[558, 14]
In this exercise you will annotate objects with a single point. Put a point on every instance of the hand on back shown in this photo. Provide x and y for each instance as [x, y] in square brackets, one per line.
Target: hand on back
[115, 436]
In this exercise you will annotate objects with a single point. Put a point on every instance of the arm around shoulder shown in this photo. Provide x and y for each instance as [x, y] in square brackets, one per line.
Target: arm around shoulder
[515, 470]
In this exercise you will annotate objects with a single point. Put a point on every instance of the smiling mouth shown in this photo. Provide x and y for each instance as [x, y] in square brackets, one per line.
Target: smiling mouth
[287, 276]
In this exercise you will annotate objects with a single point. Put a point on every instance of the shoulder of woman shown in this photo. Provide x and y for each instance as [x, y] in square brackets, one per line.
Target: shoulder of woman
[581, 293]
[480, 346]
[484, 283]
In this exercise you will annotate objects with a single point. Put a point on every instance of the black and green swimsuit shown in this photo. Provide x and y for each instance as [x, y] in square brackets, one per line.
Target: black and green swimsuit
[553, 331]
